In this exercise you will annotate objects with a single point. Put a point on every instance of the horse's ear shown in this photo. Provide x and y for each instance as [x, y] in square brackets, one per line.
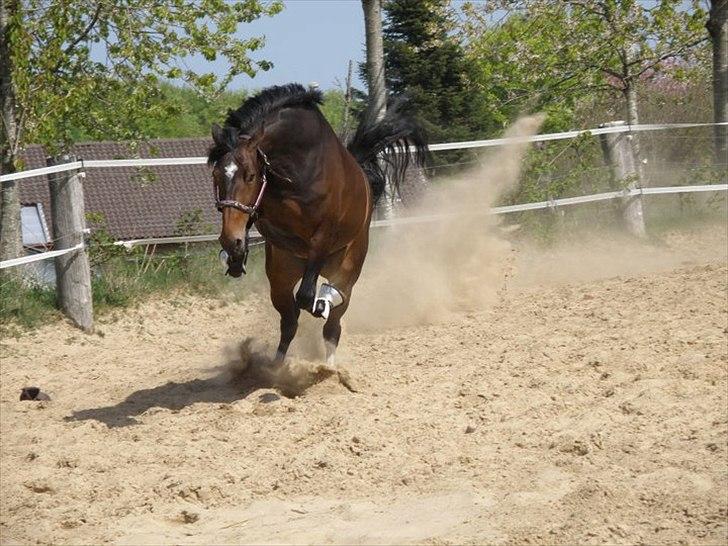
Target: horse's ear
[218, 136]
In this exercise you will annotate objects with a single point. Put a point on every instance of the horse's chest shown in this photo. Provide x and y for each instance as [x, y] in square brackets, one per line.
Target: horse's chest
[282, 237]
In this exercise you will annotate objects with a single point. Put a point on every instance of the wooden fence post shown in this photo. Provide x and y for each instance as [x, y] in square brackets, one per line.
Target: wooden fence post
[73, 273]
[619, 155]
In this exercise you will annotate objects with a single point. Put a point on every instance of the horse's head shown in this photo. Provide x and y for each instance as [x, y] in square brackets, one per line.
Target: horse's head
[238, 174]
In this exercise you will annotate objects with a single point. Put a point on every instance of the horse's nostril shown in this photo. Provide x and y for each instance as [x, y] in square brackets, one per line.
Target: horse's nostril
[238, 244]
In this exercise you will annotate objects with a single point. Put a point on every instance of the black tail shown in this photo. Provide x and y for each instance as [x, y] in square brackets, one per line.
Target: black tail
[385, 148]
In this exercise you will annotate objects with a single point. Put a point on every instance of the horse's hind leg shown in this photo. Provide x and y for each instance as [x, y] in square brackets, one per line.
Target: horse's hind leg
[283, 271]
[332, 331]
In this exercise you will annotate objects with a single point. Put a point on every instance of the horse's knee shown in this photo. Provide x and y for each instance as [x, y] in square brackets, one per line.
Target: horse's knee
[306, 294]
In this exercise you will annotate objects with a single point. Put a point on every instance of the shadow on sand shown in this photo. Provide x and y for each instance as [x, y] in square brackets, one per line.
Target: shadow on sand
[234, 381]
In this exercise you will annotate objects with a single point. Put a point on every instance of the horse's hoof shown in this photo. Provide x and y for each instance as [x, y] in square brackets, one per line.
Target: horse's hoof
[278, 360]
[321, 308]
[305, 301]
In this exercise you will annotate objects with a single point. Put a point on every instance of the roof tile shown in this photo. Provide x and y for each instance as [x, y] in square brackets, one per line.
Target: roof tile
[133, 204]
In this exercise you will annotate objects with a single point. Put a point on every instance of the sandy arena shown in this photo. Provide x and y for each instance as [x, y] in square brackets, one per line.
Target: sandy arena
[587, 403]
[488, 392]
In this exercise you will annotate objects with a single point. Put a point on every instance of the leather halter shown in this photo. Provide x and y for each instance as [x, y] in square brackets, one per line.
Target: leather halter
[252, 210]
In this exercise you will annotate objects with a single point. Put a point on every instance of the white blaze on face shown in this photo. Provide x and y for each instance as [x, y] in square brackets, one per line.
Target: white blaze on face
[230, 170]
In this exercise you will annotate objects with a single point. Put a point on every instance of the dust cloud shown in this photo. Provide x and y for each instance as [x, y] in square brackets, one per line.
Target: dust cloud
[251, 365]
[424, 272]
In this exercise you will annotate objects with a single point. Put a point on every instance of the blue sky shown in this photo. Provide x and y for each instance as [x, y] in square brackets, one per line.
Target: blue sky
[309, 41]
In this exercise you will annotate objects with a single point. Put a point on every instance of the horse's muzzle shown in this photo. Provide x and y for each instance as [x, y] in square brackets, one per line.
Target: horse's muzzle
[235, 264]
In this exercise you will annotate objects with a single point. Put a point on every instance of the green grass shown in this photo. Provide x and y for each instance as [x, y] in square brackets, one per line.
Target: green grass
[24, 307]
[127, 279]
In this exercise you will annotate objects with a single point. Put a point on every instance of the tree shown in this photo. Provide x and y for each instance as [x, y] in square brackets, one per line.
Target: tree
[183, 112]
[426, 62]
[10, 234]
[377, 103]
[718, 28]
[512, 67]
[597, 45]
[70, 66]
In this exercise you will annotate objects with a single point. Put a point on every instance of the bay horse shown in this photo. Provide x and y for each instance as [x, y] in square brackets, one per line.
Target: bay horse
[278, 164]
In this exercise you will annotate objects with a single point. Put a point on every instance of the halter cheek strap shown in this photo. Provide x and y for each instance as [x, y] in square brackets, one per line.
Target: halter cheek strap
[252, 210]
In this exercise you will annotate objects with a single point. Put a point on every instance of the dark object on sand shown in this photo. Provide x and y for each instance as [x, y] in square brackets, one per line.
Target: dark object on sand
[33, 393]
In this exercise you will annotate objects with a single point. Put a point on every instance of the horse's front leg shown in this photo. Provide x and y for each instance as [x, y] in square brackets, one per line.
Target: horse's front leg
[286, 307]
[283, 270]
[306, 294]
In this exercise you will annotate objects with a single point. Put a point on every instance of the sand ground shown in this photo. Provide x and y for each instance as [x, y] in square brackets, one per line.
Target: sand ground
[586, 403]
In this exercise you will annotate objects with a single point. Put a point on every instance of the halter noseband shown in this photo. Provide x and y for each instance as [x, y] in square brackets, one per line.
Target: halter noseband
[252, 210]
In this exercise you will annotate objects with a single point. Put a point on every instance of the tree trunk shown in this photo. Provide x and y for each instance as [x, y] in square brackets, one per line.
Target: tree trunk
[377, 106]
[619, 155]
[630, 96]
[718, 28]
[11, 239]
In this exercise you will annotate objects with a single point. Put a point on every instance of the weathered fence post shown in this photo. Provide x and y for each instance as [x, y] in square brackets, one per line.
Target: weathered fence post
[73, 273]
[619, 154]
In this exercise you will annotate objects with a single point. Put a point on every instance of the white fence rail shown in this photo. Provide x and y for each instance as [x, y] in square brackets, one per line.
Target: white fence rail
[565, 135]
[398, 221]
[156, 162]
[160, 162]
[38, 257]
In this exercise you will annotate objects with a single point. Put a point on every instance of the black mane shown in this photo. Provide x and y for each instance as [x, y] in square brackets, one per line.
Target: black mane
[254, 111]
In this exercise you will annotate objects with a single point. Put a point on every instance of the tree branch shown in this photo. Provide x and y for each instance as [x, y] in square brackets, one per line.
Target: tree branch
[666, 56]
[84, 34]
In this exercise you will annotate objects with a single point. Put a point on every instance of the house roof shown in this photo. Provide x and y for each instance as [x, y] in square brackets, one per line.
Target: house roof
[151, 201]
[138, 202]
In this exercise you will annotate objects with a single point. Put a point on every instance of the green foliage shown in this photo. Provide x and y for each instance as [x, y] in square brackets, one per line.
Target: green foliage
[183, 112]
[546, 55]
[144, 271]
[191, 223]
[177, 112]
[99, 243]
[334, 108]
[510, 62]
[426, 62]
[24, 305]
[94, 69]
[129, 277]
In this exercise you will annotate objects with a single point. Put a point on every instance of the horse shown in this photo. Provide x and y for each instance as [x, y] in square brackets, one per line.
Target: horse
[278, 165]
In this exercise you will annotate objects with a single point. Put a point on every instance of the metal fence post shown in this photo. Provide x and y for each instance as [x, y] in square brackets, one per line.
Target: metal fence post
[619, 155]
[73, 273]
